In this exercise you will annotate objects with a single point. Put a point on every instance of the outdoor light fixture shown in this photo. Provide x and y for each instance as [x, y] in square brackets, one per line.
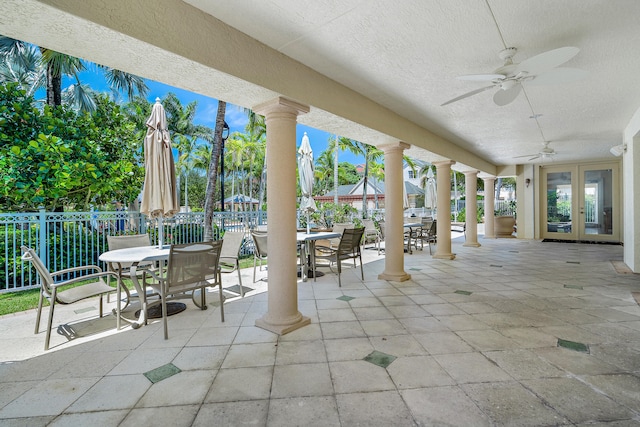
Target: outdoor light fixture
[225, 135]
[527, 182]
[618, 150]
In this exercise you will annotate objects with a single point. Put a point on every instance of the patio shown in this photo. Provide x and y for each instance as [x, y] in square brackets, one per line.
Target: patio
[473, 341]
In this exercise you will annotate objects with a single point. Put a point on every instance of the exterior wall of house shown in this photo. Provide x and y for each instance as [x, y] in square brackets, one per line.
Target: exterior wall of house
[631, 194]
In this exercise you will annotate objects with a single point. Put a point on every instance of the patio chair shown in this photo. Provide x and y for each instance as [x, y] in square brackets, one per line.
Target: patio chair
[86, 286]
[229, 257]
[348, 248]
[260, 249]
[371, 233]
[124, 242]
[191, 267]
[339, 227]
[428, 234]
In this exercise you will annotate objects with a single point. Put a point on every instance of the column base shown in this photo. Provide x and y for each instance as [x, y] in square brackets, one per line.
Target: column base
[472, 244]
[444, 256]
[282, 329]
[395, 277]
[489, 237]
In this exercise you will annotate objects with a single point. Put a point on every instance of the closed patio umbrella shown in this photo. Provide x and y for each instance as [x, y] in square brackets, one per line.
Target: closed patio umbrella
[305, 170]
[159, 195]
[430, 192]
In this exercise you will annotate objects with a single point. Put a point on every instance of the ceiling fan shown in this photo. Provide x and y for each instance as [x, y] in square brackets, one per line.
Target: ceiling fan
[545, 153]
[539, 69]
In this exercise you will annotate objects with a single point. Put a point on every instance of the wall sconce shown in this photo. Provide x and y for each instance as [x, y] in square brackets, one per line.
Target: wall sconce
[618, 150]
[527, 182]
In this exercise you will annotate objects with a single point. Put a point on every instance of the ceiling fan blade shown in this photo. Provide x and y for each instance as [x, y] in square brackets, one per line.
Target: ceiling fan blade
[557, 76]
[481, 77]
[533, 158]
[547, 60]
[468, 94]
[526, 155]
[504, 97]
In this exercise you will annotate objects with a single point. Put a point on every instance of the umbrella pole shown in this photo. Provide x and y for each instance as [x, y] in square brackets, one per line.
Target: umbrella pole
[160, 232]
[308, 225]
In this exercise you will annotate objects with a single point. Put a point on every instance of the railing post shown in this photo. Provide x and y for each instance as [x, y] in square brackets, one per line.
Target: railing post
[42, 216]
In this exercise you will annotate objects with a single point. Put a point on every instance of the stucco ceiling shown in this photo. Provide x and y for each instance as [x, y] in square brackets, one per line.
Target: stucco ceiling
[374, 70]
[406, 55]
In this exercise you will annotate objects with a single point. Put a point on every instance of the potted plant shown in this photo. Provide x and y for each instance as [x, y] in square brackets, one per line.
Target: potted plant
[504, 220]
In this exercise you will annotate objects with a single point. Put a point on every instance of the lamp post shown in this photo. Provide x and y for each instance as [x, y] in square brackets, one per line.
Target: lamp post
[225, 135]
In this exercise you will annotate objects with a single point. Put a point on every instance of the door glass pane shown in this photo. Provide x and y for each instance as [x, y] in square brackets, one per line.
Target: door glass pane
[559, 202]
[597, 209]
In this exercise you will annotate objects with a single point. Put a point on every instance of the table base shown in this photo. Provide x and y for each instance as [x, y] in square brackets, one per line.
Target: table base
[155, 312]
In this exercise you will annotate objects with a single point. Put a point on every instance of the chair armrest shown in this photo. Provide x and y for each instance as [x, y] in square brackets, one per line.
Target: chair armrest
[70, 270]
[85, 277]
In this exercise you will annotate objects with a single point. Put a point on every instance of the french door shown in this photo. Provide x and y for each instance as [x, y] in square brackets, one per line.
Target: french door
[580, 202]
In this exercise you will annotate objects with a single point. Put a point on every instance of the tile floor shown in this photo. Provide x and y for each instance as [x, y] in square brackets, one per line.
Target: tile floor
[473, 341]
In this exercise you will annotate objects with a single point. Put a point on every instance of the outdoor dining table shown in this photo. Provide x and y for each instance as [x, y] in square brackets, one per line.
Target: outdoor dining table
[308, 250]
[134, 256]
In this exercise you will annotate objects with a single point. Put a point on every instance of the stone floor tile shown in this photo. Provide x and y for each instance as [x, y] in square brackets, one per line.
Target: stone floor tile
[178, 416]
[57, 393]
[197, 358]
[112, 392]
[418, 372]
[443, 343]
[373, 313]
[184, 388]
[336, 315]
[311, 379]
[359, 376]
[231, 385]
[486, 340]
[293, 352]
[333, 330]
[463, 322]
[252, 412]
[471, 367]
[401, 345]
[421, 325]
[509, 404]
[623, 388]
[253, 334]
[523, 364]
[376, 328]
[384, 408]
[101, 418]
[576, 400]
[440, 406]
[250, 355]
[347, 349]
[575, 362]
[320, 411]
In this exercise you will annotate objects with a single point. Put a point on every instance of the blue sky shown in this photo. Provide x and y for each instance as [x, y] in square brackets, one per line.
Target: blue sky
[206, 110]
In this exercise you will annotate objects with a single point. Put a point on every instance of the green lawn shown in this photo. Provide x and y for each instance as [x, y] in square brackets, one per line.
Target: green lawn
[14, 302]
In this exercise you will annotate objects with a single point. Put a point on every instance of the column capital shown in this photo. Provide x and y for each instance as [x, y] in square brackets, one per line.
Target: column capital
[393, 146]
[471, 173]
[281, 104]
[442, 163]
[489, 179]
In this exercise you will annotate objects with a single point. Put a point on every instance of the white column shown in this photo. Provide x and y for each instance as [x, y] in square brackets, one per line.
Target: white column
[471, 209]
[443, 228]
[393, 217]
[282, 312]
[489, 207]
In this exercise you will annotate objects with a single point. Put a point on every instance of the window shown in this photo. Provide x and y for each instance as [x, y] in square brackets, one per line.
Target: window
[411, 174]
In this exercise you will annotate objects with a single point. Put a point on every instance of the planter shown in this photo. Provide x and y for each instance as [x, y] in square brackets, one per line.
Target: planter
[504, 225]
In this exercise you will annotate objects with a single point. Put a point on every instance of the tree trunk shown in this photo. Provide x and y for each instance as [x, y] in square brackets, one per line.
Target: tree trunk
[335, 173]
[212, 173]
[263, 181]
[364, 183]
[54, 87]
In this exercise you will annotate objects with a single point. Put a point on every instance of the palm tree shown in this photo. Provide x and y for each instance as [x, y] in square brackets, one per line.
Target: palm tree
[49, 68]
[212, 173]
[324, 170]
[184, 132]
[335, 146]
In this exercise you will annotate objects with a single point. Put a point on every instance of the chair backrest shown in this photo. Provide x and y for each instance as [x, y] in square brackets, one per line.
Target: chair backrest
[339, 227]
[231, 244]
[125, 242]
[260, 242]
[432, 230]
[369, 225]
[382, 230]
[350, 240]
[128, 241]
[193, 263]
[30, 255]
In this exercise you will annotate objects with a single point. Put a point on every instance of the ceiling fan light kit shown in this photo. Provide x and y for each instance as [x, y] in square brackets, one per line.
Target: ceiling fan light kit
[510, 77]
[618, 150]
